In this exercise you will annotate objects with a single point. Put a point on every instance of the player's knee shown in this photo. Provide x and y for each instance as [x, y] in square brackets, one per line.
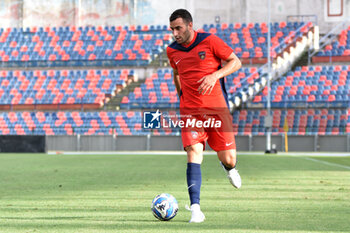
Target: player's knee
[196, 148]
[230, 162]
[194, 153]
[228, 158]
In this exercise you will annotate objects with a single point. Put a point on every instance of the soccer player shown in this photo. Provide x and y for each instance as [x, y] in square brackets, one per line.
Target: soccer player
[199, 79]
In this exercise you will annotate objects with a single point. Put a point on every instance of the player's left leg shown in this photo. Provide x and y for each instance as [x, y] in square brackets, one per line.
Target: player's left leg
[223, 142]
[228, 162]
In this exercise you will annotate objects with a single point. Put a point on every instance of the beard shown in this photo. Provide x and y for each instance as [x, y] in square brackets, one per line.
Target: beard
[184, 39]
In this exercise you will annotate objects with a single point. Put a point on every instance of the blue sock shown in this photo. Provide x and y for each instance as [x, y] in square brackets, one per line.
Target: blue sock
[194, 181]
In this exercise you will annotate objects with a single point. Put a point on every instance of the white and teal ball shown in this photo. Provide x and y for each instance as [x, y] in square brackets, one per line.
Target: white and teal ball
[164, 207]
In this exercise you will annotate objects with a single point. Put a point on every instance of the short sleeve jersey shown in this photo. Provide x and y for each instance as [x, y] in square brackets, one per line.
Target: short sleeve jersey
[200, 58]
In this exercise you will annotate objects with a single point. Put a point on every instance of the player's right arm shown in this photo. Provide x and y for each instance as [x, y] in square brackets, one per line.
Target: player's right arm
[177, 81]
[175, 72]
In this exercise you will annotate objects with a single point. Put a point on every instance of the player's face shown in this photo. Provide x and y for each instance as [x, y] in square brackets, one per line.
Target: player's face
[181, 31]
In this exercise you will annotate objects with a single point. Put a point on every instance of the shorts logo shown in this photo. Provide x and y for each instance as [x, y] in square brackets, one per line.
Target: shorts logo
[201, 55]
[229, 144]
[151, 120]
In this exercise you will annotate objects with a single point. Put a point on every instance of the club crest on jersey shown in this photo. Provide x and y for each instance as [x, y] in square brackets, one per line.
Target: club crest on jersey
[201, 55]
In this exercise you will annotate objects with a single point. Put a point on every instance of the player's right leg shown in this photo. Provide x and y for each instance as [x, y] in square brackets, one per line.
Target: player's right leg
[194, 180]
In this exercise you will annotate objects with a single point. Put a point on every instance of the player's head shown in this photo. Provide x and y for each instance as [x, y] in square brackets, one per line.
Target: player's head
[182, 26]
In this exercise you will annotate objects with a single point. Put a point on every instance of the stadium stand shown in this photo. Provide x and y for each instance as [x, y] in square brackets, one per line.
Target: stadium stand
[158, 91]
[69, 123]
[49, 92]
[246, 122]
[249, 41]
[82, 46]
[300, 121]
[309, 86]
[130, 45]
[61, 89]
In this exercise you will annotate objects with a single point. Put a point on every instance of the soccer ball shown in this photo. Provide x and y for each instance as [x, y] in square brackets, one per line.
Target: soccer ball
[164, 207]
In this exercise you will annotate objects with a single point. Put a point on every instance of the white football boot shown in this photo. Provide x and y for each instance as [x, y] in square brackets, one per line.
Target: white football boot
[197, 215]
[233, 176]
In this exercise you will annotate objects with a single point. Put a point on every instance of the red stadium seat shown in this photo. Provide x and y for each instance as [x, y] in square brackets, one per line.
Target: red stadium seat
[82, 52]
[90, 48]
[66, 57]
[331, 98]
[92, 57]
[13, 44]
[24, 48]
[119, 56]
[52, 57]
[25, 57]
[257, 98]
[212, 30]
[5, 58]
[95, 38]
[71, 100]
[282, 24]
[237, 26]
[132, 28]
[224, 26]
[245, 54]
[311, 98]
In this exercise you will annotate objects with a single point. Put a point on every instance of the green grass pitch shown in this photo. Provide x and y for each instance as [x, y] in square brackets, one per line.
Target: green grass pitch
[113, 193]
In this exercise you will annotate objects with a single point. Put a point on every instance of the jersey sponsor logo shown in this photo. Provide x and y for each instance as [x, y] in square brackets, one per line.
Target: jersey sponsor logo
[201, 55]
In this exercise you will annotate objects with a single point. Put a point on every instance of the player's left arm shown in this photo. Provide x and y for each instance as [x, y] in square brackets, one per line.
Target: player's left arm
[208, 82]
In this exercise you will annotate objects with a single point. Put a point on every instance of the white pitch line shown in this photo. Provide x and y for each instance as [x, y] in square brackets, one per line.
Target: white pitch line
[325, 154]
[327, 163]
[207, 152]
[116, 153]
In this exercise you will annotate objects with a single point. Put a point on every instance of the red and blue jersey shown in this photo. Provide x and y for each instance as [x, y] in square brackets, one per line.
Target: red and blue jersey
[201, 57]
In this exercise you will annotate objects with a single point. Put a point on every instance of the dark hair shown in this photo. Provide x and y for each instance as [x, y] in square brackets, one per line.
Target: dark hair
[181, 13]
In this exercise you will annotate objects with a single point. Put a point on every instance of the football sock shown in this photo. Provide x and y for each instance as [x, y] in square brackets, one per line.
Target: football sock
[227, 168]
[194, 181]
